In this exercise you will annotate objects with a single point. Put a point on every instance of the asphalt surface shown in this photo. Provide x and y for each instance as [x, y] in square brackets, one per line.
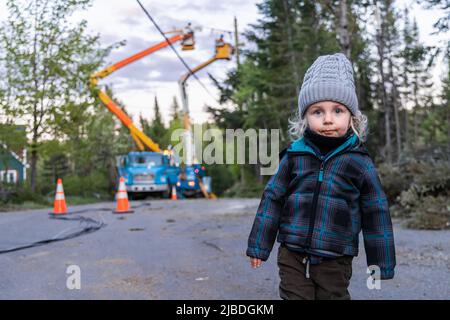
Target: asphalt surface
[187, 249]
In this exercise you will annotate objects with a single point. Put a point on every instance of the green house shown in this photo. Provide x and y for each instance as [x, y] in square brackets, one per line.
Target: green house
[13, 168]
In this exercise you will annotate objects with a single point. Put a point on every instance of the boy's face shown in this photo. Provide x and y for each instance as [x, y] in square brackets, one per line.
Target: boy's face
[328, 118]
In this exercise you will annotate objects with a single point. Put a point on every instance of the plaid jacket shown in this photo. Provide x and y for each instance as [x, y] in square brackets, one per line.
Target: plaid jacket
[323, 202]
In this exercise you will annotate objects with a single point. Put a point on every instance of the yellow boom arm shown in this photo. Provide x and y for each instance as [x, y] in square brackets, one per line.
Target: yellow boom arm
[141, 139]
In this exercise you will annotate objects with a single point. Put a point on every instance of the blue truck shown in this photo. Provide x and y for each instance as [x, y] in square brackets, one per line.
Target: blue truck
[148, 172]
[156, 173]
[188, 184]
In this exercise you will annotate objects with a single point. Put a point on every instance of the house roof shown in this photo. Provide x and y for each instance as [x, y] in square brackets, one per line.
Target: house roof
[15, 156]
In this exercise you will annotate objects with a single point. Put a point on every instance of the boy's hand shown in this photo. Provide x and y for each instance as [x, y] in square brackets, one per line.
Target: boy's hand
[255, 262]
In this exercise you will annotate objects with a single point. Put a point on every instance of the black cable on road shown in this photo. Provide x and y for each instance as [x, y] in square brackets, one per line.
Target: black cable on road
[90, 225]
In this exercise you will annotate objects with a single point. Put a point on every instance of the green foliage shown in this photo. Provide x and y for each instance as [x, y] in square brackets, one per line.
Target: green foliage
[93, 184]
[430, 213]
[422, 193]
[175, 123]
[13, 136]
[221, 178]
[394, 179]
[56, 167]
[245, 190]
[155, 129]
[18, 194]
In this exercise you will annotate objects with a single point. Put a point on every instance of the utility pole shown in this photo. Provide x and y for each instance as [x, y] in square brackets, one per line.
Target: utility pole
[236, 41]
[236, 47]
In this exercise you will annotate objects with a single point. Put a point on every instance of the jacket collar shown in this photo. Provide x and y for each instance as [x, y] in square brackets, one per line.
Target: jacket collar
[351, 144]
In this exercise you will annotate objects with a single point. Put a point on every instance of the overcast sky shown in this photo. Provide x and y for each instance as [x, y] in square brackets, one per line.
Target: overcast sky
[157, 74]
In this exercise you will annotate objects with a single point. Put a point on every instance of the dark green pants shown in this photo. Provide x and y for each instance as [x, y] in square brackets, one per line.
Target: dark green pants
[328, 280]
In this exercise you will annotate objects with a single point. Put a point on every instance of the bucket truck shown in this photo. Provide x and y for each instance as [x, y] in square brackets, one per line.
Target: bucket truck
[150, 169]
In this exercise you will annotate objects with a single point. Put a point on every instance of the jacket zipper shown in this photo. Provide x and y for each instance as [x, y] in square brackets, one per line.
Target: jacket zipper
[314, 206]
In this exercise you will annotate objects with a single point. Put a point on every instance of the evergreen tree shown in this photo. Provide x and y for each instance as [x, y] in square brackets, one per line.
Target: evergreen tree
[56, 167]
[175, 110]
[418, 61]
[157, 128]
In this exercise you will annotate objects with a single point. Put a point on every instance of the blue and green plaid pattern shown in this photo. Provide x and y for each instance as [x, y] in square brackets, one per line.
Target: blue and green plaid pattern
[349, 198]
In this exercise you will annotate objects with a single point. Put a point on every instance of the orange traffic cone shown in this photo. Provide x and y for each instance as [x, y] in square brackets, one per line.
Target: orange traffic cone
[59, 206]
[174, 193]
[122, 199]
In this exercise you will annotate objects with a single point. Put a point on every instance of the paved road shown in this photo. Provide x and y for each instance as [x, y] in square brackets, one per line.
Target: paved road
[190, 249]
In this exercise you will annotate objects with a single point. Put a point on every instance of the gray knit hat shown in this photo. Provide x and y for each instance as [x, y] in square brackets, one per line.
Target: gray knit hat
[329, 78]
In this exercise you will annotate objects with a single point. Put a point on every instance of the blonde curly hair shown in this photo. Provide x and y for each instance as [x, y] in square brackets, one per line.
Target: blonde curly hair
[358, 123]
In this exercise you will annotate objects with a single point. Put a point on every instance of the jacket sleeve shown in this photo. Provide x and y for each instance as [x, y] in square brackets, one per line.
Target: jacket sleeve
[376, 223]
[265, 225]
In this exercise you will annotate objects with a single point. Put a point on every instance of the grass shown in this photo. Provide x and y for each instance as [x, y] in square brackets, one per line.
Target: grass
[75, 200]
[27, 205]
[32, 205]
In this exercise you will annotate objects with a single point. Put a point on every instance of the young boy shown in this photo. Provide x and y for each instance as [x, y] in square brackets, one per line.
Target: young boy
[325, 191]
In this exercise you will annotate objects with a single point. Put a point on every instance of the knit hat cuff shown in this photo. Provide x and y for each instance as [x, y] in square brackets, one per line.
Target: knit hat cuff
[322, 91]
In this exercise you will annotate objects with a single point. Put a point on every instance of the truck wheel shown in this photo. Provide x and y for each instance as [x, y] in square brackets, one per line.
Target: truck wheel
[199, 195]
[166, 194]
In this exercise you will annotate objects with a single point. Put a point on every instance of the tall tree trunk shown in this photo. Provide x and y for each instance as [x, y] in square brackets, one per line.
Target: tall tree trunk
[448, 125]
[395, 107]
[406, 129]
[387, 122]
[406, 136]
[381, 35]
[290, 40]
[344, 35]
[416, 105]
[416, 129]
[384, 102]
[34, 152]
[33, 166]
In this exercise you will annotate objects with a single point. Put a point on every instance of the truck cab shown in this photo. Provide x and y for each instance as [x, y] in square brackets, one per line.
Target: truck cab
[147, 173]
[188, 183]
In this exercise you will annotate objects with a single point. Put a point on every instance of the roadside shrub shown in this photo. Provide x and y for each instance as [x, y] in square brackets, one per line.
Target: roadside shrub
[425, 204]
[95, 184]
[17, 194]
[430, 213]
[394, 180]
[246, 190]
